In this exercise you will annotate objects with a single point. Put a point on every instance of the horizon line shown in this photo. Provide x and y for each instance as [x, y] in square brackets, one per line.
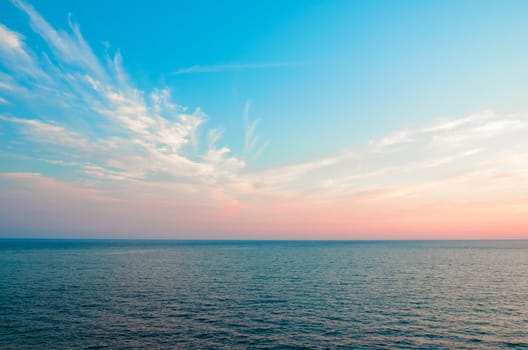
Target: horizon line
[260, 240]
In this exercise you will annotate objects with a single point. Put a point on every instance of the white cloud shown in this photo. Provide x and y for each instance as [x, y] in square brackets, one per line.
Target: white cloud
[15, 56]
[133, 133]
[10, 40]
[71, 48]
[230, 67]
[406, 158]
[50, 133]
[6, 86]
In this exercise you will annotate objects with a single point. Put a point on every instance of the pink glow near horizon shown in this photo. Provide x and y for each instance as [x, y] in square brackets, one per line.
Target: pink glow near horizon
[62, 208]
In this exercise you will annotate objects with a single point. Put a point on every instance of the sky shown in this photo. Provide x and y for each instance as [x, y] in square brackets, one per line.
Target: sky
[264, 119]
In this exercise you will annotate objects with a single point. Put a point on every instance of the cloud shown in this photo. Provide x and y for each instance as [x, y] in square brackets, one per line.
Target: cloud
[122, 131]
[8, 83]
[14, 55]
[49, 133]
[219, 68]
[252, 145]
[71, 48]
[410, 156]
[10, 40]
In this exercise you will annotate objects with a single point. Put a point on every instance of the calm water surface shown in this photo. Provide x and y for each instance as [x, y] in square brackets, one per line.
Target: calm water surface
[57, 294]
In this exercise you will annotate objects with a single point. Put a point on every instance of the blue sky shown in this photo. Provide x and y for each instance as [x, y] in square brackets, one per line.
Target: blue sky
[351, 70]
[243, 101]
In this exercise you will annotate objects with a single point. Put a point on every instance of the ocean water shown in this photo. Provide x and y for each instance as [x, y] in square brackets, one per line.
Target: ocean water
[96, 294]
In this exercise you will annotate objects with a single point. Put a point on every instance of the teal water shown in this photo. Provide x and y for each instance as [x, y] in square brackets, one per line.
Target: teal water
[80, 294]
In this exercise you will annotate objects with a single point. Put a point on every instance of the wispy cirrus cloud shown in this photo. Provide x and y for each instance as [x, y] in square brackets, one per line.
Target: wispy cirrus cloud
[15, 57]
[139, 163]
[10, 40]
[48, 133]
[69, 47]
[253, 146]
[144, 132]
[445, 148]
[235, 67]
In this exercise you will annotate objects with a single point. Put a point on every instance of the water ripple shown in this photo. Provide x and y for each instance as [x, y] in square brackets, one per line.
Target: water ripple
[287, 295]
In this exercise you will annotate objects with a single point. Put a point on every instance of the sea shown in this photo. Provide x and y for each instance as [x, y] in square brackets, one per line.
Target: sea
[155, 294]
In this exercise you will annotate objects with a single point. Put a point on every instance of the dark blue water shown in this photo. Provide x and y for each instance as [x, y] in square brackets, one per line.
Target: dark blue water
[57, 294]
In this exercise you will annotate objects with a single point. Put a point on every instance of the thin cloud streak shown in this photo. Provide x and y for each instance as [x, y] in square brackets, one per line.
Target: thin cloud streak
[253, 147]
[220, 68]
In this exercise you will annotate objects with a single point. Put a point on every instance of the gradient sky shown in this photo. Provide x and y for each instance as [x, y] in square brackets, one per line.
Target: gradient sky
[264, 119]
